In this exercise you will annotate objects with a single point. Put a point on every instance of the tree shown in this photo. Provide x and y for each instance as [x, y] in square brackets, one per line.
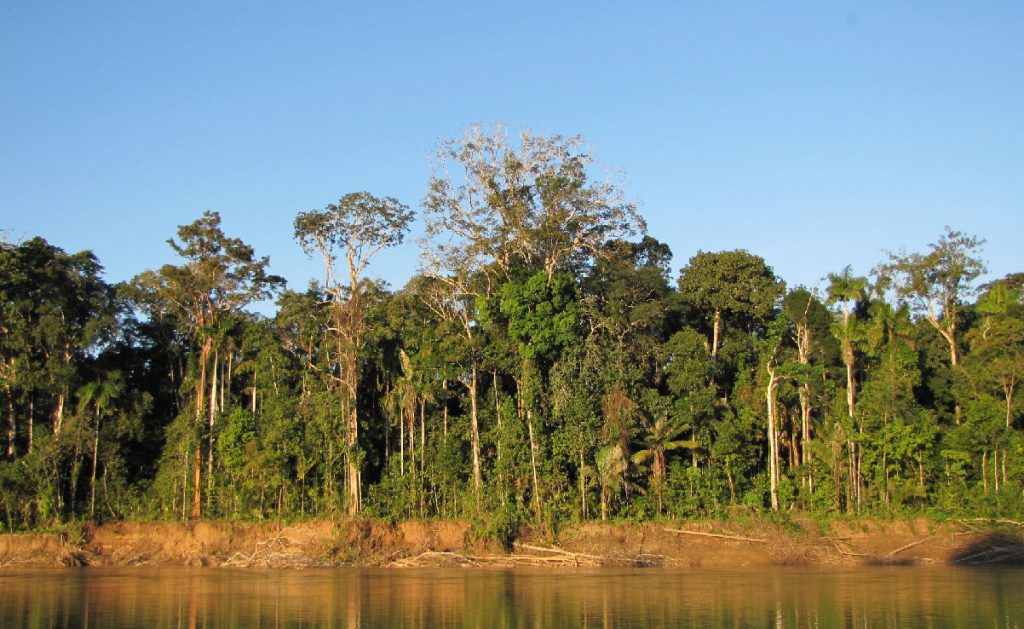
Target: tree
[849, 291]
[809, 319]
[452, 298]
[729, 285]
[218, 277]
[100, 395]
[936, 283]
[498, 209]
[357, 227]
[625, 300]
[541, 319]
[661, 435]
[772, 351]
[996, 362]
[54, 308]
[531, 202]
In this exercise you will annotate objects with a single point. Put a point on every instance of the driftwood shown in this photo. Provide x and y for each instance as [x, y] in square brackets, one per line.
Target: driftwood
[893, 553]
[576, 558]
[738, 538]
[849, 554]
[263, 554]
[432, 556]
[1000, 521]
[836, 543]
[542, 556]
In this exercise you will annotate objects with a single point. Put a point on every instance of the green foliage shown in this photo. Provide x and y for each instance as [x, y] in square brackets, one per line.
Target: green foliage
[541, 316]
[500, 525]
[541, 370]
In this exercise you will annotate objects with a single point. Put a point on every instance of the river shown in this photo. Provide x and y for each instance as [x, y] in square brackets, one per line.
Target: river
[152, 598]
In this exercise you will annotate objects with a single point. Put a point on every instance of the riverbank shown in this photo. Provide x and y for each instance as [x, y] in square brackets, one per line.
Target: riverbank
[752, 542]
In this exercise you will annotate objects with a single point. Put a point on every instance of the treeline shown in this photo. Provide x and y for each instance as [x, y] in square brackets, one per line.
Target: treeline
[545, 364]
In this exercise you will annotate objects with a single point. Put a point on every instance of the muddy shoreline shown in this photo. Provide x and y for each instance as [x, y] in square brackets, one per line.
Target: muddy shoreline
[693, 544]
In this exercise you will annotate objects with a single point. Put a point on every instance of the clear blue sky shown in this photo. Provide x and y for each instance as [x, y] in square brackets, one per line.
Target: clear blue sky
[815, 134]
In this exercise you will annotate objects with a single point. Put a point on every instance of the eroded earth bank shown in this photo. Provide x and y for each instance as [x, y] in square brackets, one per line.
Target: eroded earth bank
[704, 544]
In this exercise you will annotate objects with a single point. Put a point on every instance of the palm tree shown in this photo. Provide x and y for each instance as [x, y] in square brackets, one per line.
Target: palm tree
[848, 290]
[661, 437]
[100, 395]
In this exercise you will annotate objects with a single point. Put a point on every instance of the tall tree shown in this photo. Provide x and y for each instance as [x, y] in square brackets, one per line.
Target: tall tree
[496, 205]
[850, 292]
[100, 395]
[729, 286]
[529, 202]
[218, 276]
[358, 227]
[807, 316]
[937, 282]
[452, 298]
[996, 362]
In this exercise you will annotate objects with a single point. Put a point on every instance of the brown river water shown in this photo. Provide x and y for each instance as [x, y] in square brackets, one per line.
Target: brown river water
[153, 598]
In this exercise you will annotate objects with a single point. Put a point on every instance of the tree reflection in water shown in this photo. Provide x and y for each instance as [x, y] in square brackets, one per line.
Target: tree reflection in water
[506, 599]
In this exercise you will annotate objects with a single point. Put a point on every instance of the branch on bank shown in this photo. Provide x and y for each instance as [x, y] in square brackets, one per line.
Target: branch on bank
[738, 538]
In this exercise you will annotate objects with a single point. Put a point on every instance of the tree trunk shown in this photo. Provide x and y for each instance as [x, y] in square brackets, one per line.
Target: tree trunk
[533, 464]
[500, 439]
[474, 420]
[204, 355]
[1008, 391]
[66, 356]
[423, 437]
[184, 486]
[411, 415]
[92, 480]
[805, 435]
[804, 355]
[253, 402]
[355, 493]
[984, 470]
[773, 446]
[583, 489]
[995, 468]
[860, 475]
[885, 477]
[209, 436]
[851, 388]
[58, 413]
[12, 425]
[444, 406]
[716, 335]
[225, 384]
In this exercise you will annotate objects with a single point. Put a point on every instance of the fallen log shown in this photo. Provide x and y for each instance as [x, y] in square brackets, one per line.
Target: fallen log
[432, 554]
[739, 538]
[575, 557]
[893, 553]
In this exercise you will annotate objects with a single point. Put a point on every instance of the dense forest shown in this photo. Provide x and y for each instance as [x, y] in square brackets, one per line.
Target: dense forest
[544, 365]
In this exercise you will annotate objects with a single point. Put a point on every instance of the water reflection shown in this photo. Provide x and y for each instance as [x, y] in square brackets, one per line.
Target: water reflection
[350, 598]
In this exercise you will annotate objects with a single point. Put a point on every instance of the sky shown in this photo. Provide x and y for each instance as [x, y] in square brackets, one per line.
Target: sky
[814, 134]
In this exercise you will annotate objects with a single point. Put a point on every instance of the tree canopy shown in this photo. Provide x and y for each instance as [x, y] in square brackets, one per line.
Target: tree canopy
[540, 367]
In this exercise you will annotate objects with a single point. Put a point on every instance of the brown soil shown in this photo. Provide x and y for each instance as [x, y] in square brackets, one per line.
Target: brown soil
[720, 544]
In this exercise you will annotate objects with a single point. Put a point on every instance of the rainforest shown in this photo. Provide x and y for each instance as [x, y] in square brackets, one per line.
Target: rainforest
[546, 364]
